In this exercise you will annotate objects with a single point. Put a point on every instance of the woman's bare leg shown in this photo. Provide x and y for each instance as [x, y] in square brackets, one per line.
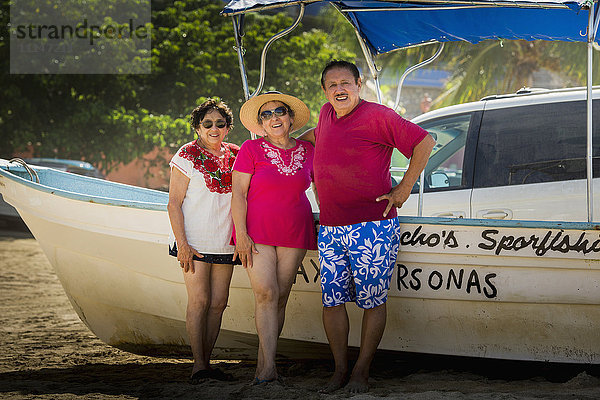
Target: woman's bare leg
[263, 278]
[276, 288]
[220, 278]
[197, 285]
[288, 261]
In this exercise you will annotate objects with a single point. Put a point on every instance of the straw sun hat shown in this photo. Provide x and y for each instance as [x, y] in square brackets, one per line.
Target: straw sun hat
[249, 111]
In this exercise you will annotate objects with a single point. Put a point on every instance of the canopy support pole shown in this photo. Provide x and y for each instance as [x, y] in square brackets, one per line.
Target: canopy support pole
[237, 28]
[589, 159]
[414, 68]
[263, 56]
[371, 64]
[397, 103]
[375, 74]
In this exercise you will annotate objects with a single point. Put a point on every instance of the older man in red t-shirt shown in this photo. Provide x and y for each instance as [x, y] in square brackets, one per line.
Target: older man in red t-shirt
[359, 234]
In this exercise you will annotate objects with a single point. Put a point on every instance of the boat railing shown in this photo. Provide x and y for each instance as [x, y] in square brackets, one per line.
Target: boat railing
[84, 188]
[32, 174]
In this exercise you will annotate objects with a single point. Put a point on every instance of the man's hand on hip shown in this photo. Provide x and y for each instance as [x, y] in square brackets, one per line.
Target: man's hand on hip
[396, 197]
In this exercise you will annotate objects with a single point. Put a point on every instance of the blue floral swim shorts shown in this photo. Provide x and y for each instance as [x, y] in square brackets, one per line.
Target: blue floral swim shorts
[357, 262]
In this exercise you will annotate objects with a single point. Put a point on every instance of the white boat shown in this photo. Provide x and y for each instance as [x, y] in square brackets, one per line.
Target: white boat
[526, 290]
[501, 289]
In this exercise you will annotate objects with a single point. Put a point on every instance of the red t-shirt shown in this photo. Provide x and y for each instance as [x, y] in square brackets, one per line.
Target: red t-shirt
[352, 161]
[279, 213]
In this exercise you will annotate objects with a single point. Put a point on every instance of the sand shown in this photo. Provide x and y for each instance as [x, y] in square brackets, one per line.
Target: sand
[48, 353]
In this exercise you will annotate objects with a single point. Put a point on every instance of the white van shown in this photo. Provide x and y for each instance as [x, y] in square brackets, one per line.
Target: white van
[518, 156]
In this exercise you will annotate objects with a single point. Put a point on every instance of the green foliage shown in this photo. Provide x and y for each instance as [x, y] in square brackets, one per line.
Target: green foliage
[494, 66]
[107, 119]
[497, 67]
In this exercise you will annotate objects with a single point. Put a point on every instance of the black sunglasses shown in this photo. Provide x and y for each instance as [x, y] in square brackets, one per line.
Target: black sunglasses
[278, 112]
[207, 124]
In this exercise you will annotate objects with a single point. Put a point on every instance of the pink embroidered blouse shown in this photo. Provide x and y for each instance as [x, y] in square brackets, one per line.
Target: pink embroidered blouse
[207, 204]
[279, 213]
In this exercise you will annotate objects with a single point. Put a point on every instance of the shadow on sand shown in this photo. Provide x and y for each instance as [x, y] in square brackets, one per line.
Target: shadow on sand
[130, 380]
[169, 380]
[490, 369]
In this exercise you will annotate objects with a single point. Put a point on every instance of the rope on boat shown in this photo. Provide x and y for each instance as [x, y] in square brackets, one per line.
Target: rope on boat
[31, 171]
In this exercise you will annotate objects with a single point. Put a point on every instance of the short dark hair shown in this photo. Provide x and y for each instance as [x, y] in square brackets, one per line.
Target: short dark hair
[341, 64]
[211, 104]
[289, 110]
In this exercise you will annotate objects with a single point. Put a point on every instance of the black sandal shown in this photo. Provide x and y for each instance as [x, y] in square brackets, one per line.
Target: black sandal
[220, 375]
[200, 376]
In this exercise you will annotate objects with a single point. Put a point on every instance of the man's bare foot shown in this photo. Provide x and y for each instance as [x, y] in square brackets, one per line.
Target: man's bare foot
[337, 381]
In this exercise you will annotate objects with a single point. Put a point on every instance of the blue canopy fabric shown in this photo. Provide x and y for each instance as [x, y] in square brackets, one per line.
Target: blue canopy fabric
[242, 6]
[387, 25]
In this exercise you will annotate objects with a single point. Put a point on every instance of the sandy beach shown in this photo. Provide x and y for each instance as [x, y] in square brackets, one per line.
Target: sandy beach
[48, 353]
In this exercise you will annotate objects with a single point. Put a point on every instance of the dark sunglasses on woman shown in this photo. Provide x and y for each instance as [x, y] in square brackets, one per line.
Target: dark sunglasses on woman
[207, 124]
[278, 112]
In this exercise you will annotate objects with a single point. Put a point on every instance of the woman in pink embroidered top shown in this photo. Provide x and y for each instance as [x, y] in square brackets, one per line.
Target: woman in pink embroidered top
[272, 215]
[200, 215]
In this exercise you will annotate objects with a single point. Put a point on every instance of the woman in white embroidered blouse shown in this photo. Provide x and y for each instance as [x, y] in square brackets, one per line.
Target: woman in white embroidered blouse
[273, 218]
[200, 214]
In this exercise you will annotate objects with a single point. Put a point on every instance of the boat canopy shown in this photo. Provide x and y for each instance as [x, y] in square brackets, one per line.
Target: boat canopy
[390, 25]
[384, 26]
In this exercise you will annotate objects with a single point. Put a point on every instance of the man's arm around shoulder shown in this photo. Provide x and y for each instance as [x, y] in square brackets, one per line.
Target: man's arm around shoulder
[309, 136]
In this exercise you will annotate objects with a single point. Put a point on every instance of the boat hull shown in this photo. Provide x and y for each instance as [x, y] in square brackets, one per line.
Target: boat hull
[468, 288]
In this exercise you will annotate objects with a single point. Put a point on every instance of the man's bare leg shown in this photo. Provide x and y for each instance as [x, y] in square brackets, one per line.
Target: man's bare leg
[373, 325]
[337, 327]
